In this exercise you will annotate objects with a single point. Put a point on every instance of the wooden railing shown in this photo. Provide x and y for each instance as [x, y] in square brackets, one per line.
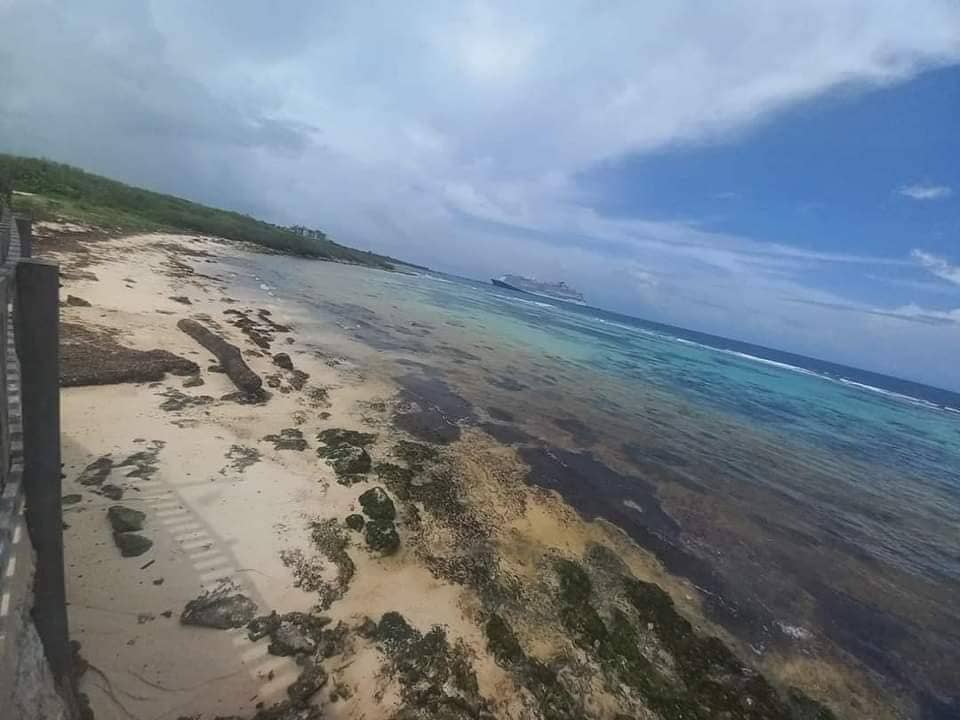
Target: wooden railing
[32, 587]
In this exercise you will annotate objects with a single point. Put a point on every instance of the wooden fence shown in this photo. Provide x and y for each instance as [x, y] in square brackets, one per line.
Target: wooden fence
[31, 563]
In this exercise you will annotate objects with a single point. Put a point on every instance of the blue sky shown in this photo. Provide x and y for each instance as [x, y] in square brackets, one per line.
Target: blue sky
[781, 173]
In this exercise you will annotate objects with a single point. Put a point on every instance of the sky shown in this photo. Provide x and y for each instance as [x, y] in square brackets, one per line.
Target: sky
[781, 173]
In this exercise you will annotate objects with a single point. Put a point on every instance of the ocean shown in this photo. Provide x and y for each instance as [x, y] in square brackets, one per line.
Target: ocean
[817, 506]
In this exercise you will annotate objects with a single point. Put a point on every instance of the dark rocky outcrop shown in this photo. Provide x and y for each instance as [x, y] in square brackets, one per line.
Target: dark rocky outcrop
[282, 360]
[228, 355]
[377, 505]
[345, 451]
[221, 608]
[382, 537]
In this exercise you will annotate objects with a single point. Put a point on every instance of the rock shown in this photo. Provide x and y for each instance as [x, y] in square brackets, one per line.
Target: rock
[290, 638]
[312, 678]
[354, 522]
[288, 439]
[377, 505]
[337, 437]
[131, 544]
[382, 537]
[216, 369]
[219, 609]
[124, 519]
[193, 381]
[74, 498]
[182, 299]
[283, 360]
[348, 461]
[109, 490]
[74, 301]
[262, 626]
[97, 471]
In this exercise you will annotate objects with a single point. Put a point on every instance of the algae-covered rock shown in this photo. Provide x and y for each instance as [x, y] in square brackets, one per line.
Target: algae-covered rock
[312, 678]
[382, 536]
[348, 461]
[291, 638]
[109, 490]
[221, 608]
[355, 522]
[416, 455]
[377, 505]
[288, 439]
[337, 437]
[96, 472]
[436, 677]
[502, 642]
[132, 544]
[345, 451]
[123, 519]
[282, 360]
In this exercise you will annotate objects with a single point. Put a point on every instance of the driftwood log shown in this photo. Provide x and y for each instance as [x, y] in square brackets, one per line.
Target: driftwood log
[229, 357]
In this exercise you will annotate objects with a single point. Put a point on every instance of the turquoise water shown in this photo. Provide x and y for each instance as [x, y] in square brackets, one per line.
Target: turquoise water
[811, 500]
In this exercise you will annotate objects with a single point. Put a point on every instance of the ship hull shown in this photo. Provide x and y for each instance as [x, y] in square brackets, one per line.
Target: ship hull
[507, 286]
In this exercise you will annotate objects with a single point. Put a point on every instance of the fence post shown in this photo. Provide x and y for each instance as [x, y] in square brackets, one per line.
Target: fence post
[25, 230]
[37, 338]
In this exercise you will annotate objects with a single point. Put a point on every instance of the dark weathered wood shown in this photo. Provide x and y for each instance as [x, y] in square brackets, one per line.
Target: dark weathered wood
[227, 355]
[37, 331]
[25, 230]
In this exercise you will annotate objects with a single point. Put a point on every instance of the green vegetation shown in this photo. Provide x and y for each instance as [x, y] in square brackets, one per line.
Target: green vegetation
[58, 190]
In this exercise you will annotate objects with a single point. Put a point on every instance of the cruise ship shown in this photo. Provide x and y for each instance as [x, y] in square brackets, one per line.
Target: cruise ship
[553, 291]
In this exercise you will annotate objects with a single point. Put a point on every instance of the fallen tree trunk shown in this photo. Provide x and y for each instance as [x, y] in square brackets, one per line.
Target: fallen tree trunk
[227, 355]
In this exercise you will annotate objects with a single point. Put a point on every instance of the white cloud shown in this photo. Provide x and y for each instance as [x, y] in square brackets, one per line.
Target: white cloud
[452, 134]
[939, 266]
[926, 192]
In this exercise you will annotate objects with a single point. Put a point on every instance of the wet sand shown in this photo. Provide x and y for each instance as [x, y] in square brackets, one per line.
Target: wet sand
[532, 598]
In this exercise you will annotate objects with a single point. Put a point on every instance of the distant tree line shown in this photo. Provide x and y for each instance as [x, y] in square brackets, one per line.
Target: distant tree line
[93, 192]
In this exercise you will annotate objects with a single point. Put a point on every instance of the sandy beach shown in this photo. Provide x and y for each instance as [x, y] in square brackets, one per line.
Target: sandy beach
[452, 589]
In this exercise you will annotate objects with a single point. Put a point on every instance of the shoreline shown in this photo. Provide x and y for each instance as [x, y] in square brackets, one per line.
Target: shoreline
[226, 507]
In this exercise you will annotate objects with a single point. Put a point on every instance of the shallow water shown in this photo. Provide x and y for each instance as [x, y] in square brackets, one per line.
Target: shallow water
[817, 506]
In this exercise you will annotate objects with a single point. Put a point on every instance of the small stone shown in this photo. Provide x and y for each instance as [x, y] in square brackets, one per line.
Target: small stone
[131, 544]
[114, 492]
[377, 505]
[97, 471]
[216, 369]
[124, 519]
[71, 499]
[282, 360]
[74, 301]
[355, 522]
[158, 581]
[193, 381]
[182, 299]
